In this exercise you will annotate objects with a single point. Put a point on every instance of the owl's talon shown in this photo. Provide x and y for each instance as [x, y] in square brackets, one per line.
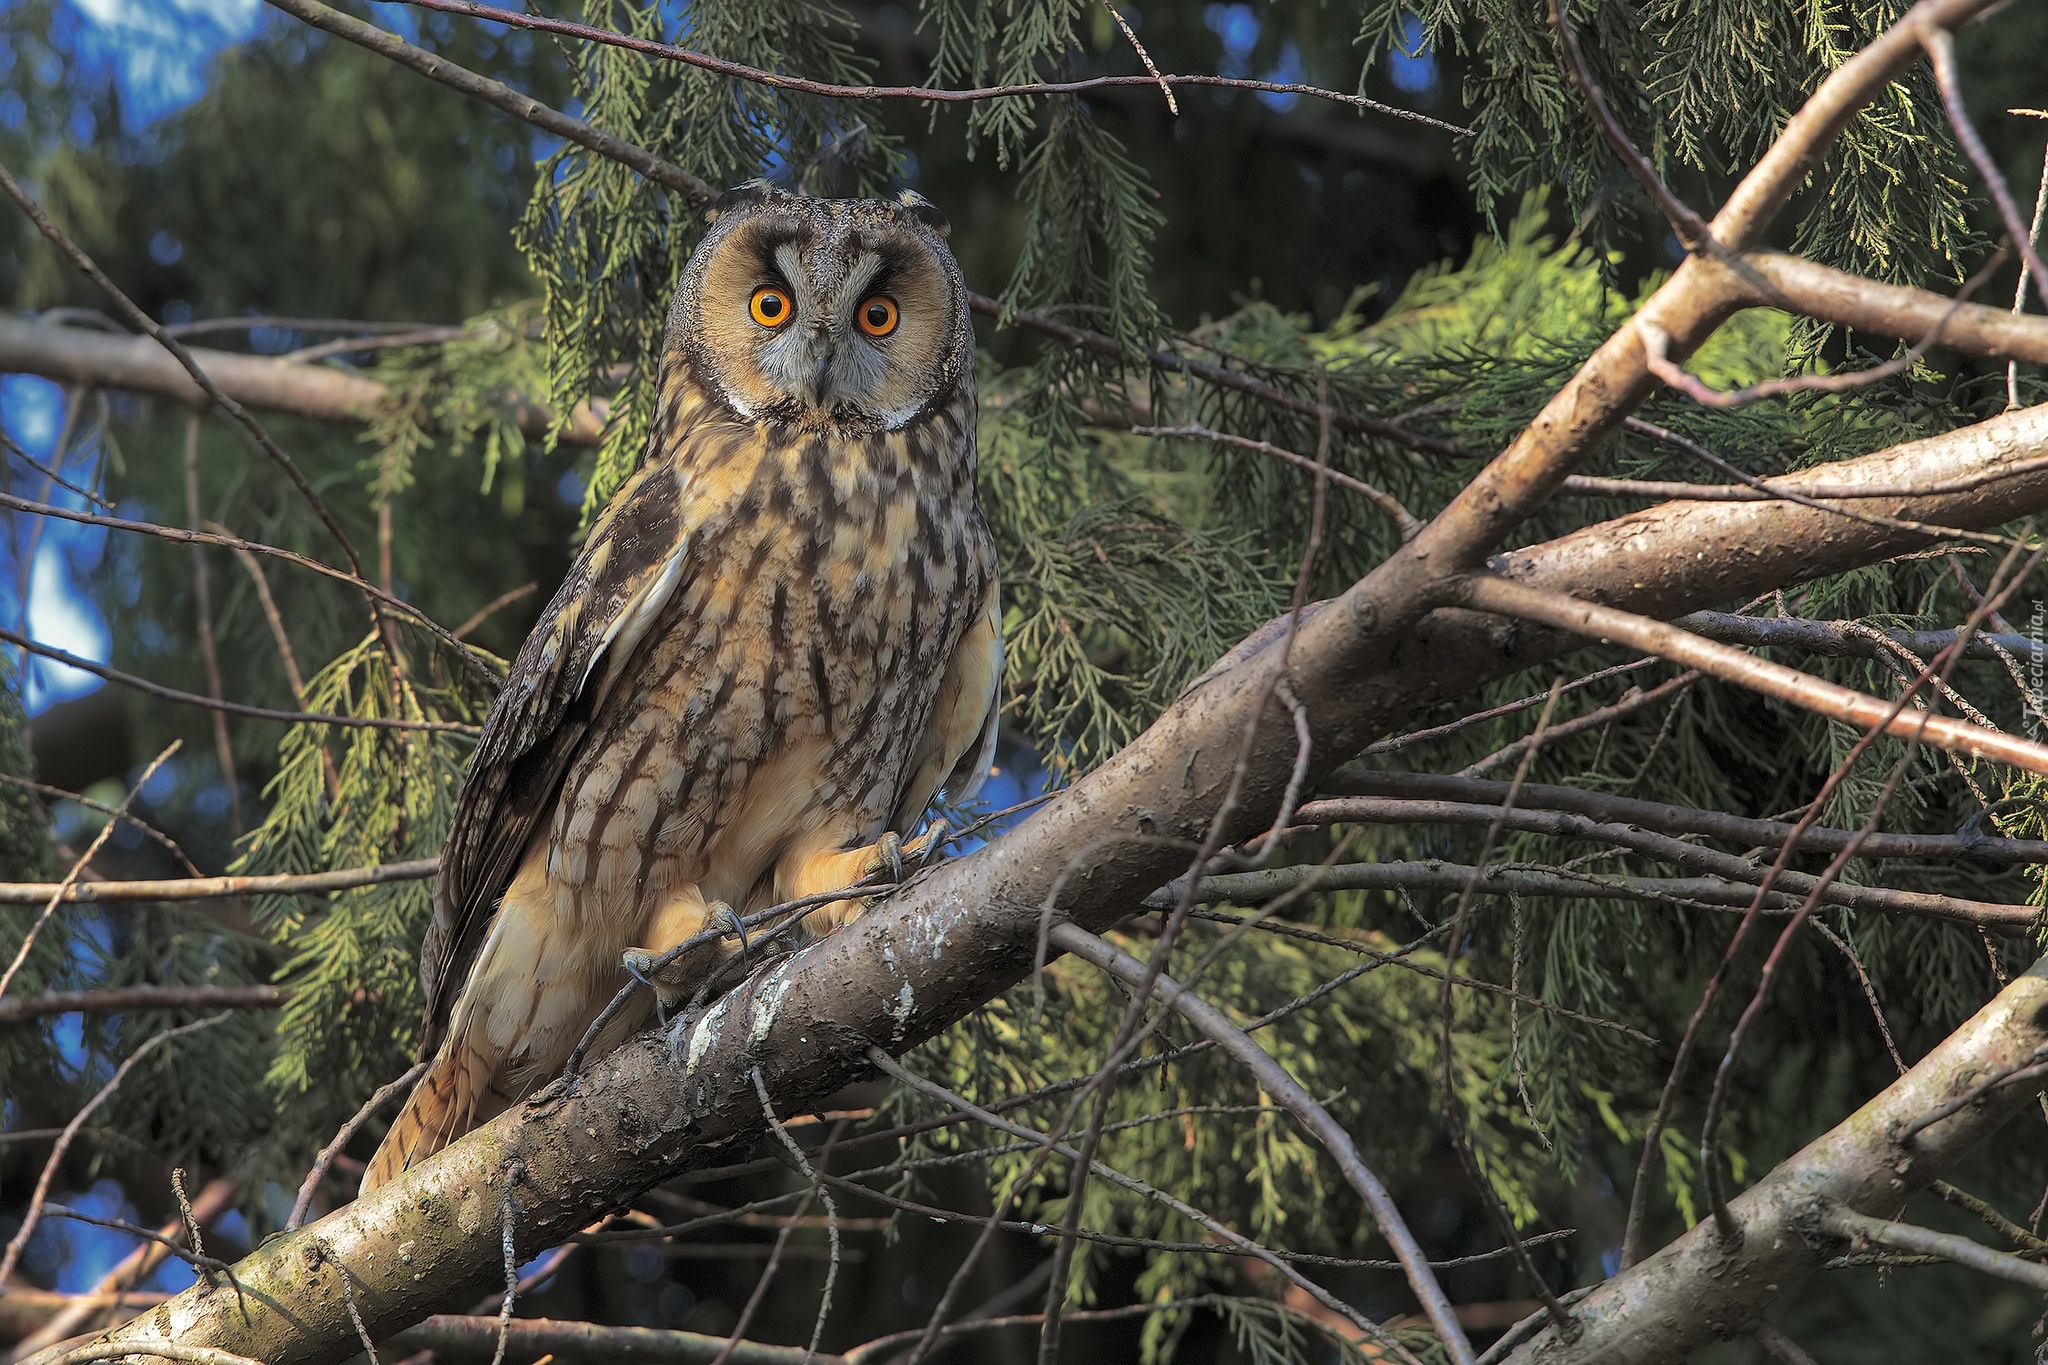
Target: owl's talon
[718, 912]
[889, 854]
[638, 962]
[925, 848]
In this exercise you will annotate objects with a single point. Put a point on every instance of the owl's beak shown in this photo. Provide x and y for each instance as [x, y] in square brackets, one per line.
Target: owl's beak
[821, 375]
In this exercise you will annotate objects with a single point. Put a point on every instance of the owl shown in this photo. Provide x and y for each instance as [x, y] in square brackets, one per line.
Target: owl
[780, 641]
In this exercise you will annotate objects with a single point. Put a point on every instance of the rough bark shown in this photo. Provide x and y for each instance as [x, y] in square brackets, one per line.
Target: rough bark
[941, 948]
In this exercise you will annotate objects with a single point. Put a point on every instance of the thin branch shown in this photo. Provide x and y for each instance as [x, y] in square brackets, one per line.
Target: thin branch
[233, 708]
[1690, 229]
[185, 537]
[149, 831]
[206, 888]
[378, 1099]
[143, 322]
[147, 1347]
[921, 93]
[1386, 502]
[1402, 741]
[1507, 598]
[202, 607]
[2019, 293]
[492, 607]
[1848, 639]
[1667, 690]
[1863, 1230]
[14, 449]
[1663, 848]
[1789, 492]
[56, 893]
[1657, 347]
[2032, 1068]
[1131, 37]
[1453, 1111]
[1275, 1081]
[1742, 831]
[19, 1009]
[63, 1143]
[113, 1289]
[803, 1164]
[424, 336]
[1941, 51]
[1702, 892]
[1049, 1142]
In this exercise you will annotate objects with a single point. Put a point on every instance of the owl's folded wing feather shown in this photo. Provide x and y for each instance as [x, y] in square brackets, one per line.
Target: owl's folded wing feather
[627, 572]
[954, 753]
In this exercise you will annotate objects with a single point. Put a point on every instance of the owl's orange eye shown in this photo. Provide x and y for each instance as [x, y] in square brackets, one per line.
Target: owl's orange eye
[877, 317]
[770, 306]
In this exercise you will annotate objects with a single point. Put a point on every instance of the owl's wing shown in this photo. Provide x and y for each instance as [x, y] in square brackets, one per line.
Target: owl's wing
[627, 573]
[961, 740]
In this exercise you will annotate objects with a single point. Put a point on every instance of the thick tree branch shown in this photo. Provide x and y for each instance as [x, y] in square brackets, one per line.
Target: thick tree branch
[1702, 1288]
[1818, 291]
[86, 358]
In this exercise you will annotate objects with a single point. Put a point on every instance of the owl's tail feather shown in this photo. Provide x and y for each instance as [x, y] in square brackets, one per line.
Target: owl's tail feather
[441, 1108]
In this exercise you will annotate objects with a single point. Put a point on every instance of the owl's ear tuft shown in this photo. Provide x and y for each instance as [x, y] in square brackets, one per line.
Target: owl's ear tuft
[924, 211]
[739, 196]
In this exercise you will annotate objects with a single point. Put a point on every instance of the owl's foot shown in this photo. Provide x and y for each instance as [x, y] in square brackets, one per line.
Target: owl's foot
[671, 974]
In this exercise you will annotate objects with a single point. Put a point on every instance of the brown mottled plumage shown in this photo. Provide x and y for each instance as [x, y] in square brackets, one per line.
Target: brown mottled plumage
[781, 640]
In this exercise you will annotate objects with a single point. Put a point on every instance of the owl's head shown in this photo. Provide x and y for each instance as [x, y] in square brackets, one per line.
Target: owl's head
[847, 314]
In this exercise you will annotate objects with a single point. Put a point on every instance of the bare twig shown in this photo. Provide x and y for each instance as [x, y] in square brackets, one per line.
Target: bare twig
[1131, 37]
[143, 322]
[1221, 1231]
[1386, 502]
[378, 1099]
[1609, 808]
[1593, 720]
[63, 1143]
[1275, 1081]
[803, 1164]
[207, 888]
[182, 536]
[2019, 293]
[1453, 1111]
[1861, 1228]
[923, 93]
[1690, 229]
[112, 1290]
[202, 606]
[1941, 51]
[1803, 690]
[492, 607]
[148, 831]
[56, 894]
[134, 999]
[1657, 347]
[233, 708]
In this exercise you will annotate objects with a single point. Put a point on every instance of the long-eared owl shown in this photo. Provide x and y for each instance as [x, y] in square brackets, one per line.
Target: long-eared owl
[781, 640]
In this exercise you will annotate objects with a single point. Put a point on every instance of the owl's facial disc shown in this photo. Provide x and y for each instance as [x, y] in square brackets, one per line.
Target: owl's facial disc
[829, 313]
